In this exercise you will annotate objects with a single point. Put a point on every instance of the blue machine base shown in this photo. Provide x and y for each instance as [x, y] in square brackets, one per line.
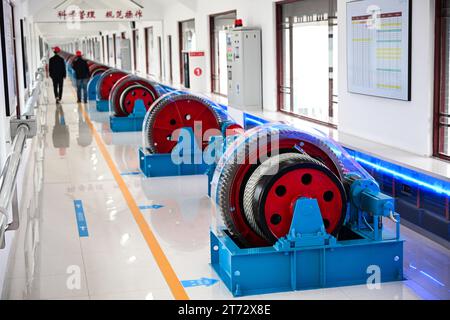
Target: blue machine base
[161, 165]
[268, 270]
[102, 105]
[92, 88]
[126, 124]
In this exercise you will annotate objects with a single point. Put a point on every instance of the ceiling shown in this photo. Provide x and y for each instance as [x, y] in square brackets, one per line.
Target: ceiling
[34, 7]
[55, 31]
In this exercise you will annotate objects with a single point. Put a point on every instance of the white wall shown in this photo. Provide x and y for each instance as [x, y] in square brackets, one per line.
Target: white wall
[255, 13]
[404, 125]
[3, 120]
[33, 52]
[400, 124]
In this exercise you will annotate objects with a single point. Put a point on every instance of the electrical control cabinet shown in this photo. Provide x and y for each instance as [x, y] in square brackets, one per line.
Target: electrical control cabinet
[244, 68]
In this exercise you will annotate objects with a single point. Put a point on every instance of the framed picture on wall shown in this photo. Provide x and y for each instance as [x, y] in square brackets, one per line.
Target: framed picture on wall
[379, 48]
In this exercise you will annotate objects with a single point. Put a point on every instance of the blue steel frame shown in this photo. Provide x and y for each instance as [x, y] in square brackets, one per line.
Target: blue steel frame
[163, 165]
[92, 87]
[132, 123]
[308, 258]
[102, 105]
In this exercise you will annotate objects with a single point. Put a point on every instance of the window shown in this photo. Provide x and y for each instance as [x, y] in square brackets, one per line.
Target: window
[118, 50]
[151, 56]
[105, 54]
[307, 59]
[187, 42]
[135, 49]
[442, 81]
[169, 40]
[125, 53]
[8, 54]
[23, 40]
[92, 48]
[111, 51]
[115, 49]
[97, 50]
[160, 59]
[219, 26]
[107, 50]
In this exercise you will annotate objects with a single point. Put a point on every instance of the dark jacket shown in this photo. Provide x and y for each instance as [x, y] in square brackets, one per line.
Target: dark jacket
[81, 68]
[57, 68]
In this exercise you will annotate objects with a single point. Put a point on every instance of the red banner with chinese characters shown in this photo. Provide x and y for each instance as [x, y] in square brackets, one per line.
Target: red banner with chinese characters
[92, 15]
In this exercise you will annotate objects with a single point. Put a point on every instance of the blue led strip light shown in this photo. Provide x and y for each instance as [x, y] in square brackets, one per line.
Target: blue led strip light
[433, 184]
[130, 174]
[404, 174]
[249, 119]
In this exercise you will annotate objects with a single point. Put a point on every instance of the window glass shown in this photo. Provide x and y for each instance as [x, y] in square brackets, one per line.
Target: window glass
[309, 54]
[443, 110]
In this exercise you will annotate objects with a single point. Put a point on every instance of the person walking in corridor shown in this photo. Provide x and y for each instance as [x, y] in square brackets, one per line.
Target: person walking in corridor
[57, 71]
[81, 68]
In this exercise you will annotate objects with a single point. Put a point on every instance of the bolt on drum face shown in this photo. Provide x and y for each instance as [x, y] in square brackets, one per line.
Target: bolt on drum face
[260, 177]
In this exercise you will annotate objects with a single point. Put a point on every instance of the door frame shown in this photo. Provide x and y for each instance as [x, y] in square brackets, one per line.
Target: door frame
[212, 46]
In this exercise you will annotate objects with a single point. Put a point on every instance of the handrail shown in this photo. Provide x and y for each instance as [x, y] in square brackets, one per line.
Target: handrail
[22, 127]
[35, 93]
[31, 102]
[8, 184]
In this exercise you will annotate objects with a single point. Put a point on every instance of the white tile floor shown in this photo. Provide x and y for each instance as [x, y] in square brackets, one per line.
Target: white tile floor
[115, 261]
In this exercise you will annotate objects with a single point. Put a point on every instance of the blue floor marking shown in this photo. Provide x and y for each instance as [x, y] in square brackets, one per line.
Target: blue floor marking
[130, 174]
[203, 282]
[81, 219]
[152, 207]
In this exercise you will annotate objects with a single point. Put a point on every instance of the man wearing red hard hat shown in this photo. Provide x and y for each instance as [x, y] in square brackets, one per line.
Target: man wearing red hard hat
[57, 71]
[81, 68]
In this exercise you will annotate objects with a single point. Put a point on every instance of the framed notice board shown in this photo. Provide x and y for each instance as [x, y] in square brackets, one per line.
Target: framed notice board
[379, 48]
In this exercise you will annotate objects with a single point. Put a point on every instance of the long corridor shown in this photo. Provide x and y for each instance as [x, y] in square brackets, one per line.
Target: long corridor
[106, 232]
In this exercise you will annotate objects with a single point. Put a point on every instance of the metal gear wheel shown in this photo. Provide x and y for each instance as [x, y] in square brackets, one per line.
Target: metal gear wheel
[175, 111]
[242, 159]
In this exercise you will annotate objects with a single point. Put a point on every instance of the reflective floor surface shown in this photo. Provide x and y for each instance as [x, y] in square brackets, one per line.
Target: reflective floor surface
[115, 262]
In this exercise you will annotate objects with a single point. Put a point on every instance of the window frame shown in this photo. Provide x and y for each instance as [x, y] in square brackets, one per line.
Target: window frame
[160, 53]
[180, 45]
[135, 35]
[104, 50]
[147, 49]
[114, 39]
[10, 109]
[212, 47]
[280, 68]
[439, 79]
[170, 53]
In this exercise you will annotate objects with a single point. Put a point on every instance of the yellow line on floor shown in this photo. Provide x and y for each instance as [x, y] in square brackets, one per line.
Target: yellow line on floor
[166, 269]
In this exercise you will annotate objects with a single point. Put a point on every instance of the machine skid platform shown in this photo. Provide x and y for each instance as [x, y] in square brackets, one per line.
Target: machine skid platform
[305, 261]
[163, 165]
[132, 123]
[92, 88]
[102, 105]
